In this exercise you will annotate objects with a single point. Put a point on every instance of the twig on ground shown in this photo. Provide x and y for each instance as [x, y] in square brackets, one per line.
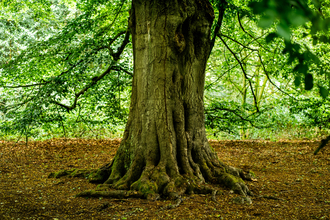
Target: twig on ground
[214, 199]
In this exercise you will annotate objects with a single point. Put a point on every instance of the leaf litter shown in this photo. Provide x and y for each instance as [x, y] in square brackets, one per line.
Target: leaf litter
[290, 183]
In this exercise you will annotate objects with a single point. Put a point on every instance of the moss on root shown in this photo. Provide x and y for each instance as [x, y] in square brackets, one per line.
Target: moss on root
[148, 188]
[151, 186]
[235, 183]
[60, 173]
[120, 194]
[229, 180]
[97, 176]
[94, 176]
[155, 181]
[252, 174]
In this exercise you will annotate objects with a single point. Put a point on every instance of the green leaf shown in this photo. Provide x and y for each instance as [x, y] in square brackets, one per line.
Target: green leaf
[297, 81]
[284, 31]
[270, 37]
[316, 3]
[297, 19]
[257, 7]
[267, 19]
[265, 22]
[301, 68]
[308, 81]
[291, 59]
[309, 55]
[324, 92]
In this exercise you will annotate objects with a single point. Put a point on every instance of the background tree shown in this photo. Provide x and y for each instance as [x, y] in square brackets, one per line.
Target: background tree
[67, 68]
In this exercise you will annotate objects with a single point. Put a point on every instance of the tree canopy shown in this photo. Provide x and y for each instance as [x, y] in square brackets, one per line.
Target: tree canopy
[65, 63]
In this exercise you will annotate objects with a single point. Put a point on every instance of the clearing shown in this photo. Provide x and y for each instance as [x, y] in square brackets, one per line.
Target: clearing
[291, 183]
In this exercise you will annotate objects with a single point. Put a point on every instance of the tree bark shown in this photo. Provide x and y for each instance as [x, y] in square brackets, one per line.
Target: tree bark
[164, 149]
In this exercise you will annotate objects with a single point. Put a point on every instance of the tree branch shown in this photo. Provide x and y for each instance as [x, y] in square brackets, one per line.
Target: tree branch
[122, 46]
[236, 86]
[119, 68]
[113, 40]
[23, 86]
[241, 65]
[237, 114]
[254, 38]
[28, 99]
[266, 72]
[222, 6]
[209, 85]
[94, 80]
[238, 42]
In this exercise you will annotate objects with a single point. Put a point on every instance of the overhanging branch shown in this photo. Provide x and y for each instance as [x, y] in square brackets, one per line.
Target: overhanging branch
[23, 86]
[254, 38]
[231, 68]
[249, 48]
[95, 79]
[243, 70]
[237, 114]
[119, 68]
[222, 8]
[113, 40]
[266, 72]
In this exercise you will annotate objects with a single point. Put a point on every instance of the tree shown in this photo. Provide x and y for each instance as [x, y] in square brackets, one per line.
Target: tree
[164, 149]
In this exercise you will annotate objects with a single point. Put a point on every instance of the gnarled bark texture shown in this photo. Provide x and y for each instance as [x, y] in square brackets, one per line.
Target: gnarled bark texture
[164, 149]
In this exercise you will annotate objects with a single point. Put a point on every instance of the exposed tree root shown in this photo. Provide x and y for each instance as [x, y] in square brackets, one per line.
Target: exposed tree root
[151, 186]
[322, 144]
[118, 194]
[151, 182]
[93, 175]
[71, 173]
[242, 200]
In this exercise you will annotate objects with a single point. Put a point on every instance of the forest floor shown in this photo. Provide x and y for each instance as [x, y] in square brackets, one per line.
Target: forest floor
[293, 182]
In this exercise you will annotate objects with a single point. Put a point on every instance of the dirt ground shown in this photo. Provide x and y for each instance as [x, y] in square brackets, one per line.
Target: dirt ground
[291, 183]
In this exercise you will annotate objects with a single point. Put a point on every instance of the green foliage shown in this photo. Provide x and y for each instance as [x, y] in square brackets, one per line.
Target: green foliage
[313, 18]
[316, 110]
[229, 117]
[66, 68]
[59, 57]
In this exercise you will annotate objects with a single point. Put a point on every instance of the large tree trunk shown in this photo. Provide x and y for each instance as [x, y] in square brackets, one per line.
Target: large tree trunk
[164, 149]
